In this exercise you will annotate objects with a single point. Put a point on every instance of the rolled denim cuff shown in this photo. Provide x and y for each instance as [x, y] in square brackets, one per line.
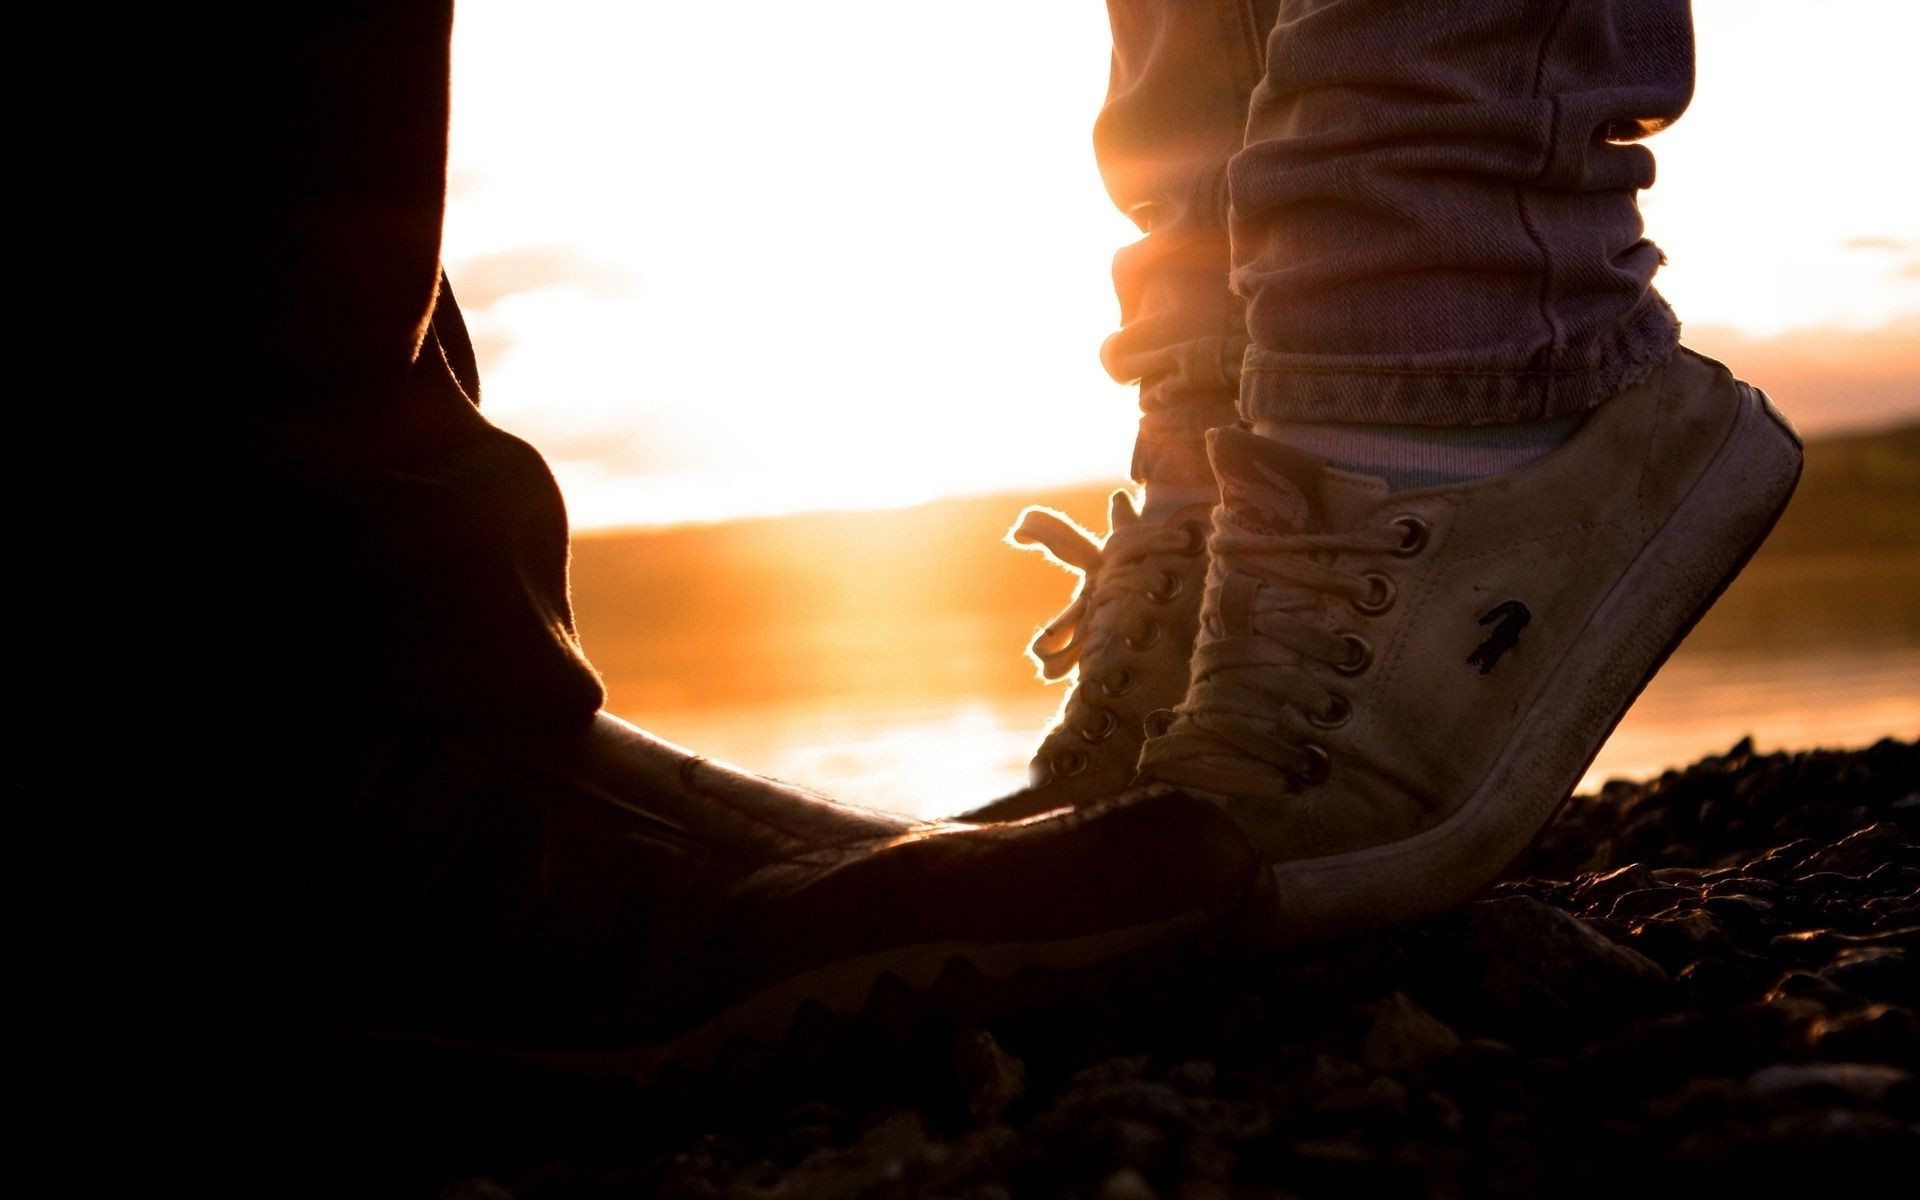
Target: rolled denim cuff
[1450, 389]
[1172, 444]
[1187, 387]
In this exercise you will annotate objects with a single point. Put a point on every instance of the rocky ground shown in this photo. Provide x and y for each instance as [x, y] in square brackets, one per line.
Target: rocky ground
[1706, 984]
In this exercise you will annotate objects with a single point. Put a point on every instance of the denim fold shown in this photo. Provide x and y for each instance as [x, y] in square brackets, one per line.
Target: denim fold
[1429, 215]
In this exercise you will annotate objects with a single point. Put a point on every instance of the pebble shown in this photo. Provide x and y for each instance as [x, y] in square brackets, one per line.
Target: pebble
[1126, 1184]
[1648, 901]
[991, 1078]
[1701, 984]
[1859, 1083]
[1538, 971]
[1405, 1037]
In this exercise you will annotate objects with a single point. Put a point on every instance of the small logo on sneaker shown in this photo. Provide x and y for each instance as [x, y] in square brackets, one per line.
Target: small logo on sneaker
[1512, 617]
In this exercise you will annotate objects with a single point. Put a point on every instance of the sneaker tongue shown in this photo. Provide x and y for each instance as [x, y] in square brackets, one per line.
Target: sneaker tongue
[1266, 486]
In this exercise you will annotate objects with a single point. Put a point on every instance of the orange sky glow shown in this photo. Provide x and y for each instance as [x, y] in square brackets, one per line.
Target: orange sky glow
[723, 260]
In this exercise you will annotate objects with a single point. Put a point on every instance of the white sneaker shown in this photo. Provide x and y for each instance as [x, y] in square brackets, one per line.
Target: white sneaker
[1393, 692]
[1129, 631]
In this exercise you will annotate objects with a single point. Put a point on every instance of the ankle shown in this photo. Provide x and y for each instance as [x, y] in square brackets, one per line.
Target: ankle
[1418, 456]
[1160, 500]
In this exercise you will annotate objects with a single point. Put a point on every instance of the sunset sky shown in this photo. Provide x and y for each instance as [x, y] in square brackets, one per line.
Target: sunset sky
[762, 257]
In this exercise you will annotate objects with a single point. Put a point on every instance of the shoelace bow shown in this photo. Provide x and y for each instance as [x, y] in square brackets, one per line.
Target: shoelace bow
[1265, 617]
[1115, 576]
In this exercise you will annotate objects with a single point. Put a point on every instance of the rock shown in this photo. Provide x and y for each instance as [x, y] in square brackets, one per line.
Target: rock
[1680, 876]
[991, 1078]
[1139, 1098]
[1741, 884]
[1442, 1112]
[1876, 972]
[1826, 886]
[1648, 901]
[1539, 971]
[1385, 1097]
[1861, 851]
[1805, 985]
[1605, 889]
[1811, 945]
[1405, 1037]
[1877, 1033]
[1196, 1077]
[1738, 908]
[1682, 938]
[1332, 1152]
[1481, 1062]
[890, 1153]
[1703, 1098]
[1126, 1184]
[704, 1170]
[1808, 1149]
[1131, 1123]
[1814, 1083]
[1707, 1150]
[976, 1154]
[797, 1141]
[1371, 1067]
[1782, 862]
[1107, 1071]
[1726, 978]
[1327, 1074]
[1134, 1143]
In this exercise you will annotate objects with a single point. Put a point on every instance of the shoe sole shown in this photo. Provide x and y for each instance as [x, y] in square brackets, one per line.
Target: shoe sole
[844, 989]
[1668, 587]
[903, 984]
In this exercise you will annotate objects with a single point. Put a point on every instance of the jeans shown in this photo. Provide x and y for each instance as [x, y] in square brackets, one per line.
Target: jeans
[1426, 209]
[406, 561]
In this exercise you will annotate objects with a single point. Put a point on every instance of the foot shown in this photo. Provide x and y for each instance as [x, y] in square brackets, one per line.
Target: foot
[1129, 633]
[1394, 691]
[608, 898]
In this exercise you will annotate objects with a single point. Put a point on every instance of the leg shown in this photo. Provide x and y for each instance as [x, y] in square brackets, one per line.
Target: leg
[1434, 218]
[403, 810]
[1484, 497]
[1175, 114]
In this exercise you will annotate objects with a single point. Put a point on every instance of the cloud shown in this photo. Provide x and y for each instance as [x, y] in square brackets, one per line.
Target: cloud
[489, 347]
[464, 183]
[480, 283]
[1827, 380]
[1873, 243]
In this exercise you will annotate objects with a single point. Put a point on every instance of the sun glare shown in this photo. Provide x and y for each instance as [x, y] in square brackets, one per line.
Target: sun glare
[755, 258]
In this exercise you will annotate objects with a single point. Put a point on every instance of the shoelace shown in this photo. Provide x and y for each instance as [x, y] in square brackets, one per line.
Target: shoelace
[1130, 566]
[1266, 620]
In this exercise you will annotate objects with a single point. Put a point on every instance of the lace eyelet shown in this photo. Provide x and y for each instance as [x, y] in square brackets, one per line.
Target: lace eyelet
[1413, 534]
[1359, 655]
[1070, 764]
[1159, 721]
[1380, 594]
[1170, 585]
[1337, 714]
[1319, 764]
[1196, 538]
[1121, 683]
[1102, 731]
[1148, 634]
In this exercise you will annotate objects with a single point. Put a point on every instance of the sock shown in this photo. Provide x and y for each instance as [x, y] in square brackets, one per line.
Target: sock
[1162, 500]
[1418, 456]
